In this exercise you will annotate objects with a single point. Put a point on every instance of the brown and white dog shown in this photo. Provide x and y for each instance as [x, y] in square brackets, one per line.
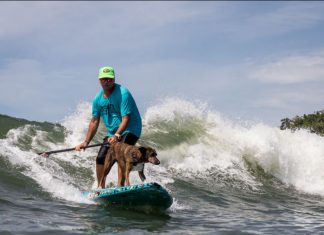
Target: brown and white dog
[127, 156]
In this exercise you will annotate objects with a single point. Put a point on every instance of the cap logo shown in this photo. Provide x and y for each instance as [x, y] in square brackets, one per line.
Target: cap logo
[106, 70]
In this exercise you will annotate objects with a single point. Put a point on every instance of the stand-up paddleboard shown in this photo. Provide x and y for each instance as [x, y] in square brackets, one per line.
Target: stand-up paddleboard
[139, 195]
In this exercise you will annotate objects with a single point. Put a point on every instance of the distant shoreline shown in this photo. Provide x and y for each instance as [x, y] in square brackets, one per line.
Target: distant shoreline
[313, 122]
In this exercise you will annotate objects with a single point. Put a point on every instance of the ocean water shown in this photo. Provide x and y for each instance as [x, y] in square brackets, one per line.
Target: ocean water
[225, 177]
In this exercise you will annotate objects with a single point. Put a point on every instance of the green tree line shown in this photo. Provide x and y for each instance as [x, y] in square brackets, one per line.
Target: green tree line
[313, 122]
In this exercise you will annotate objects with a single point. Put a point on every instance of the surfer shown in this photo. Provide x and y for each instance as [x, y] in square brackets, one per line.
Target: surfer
[116, 106]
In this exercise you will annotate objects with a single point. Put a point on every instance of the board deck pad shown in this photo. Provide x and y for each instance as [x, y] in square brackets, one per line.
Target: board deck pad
[139, 195]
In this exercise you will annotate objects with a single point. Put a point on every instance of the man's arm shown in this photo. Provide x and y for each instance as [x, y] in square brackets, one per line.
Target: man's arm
[121, 128]
[123, 124]
[93, 126]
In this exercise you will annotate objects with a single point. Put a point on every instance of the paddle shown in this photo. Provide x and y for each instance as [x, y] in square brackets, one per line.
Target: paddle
[46, 154]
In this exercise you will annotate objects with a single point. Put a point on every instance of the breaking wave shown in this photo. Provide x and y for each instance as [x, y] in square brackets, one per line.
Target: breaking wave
[194, 143]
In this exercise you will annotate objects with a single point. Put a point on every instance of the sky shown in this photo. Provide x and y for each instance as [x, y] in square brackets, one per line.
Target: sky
[254, 61]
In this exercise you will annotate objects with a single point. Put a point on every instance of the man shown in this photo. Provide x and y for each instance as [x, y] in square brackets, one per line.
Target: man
[115, 104]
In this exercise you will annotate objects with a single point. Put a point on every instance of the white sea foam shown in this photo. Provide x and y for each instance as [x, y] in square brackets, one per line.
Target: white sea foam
[77, 124]
[178, 206]
[48, 174]
[294, 158]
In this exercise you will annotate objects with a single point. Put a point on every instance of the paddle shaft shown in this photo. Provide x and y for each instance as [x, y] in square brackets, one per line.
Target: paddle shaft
[71, 149]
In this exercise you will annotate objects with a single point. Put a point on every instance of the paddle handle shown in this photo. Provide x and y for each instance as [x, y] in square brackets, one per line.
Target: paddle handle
[70, 149]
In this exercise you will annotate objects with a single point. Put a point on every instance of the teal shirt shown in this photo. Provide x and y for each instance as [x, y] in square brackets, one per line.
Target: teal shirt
[119, 104]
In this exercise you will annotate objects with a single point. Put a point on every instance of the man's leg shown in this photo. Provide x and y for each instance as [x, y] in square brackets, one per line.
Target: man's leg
[100, 161]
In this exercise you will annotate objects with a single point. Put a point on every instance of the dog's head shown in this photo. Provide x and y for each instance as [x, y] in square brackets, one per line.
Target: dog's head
[149, 155]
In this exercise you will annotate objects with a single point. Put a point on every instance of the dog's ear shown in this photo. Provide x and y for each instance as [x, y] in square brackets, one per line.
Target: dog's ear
[143, 151]
[135, 154]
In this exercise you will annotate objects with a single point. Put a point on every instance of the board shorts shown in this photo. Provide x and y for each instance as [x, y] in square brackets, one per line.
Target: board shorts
[128, 138]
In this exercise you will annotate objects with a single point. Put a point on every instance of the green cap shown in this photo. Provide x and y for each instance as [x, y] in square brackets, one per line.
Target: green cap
[106, 72]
